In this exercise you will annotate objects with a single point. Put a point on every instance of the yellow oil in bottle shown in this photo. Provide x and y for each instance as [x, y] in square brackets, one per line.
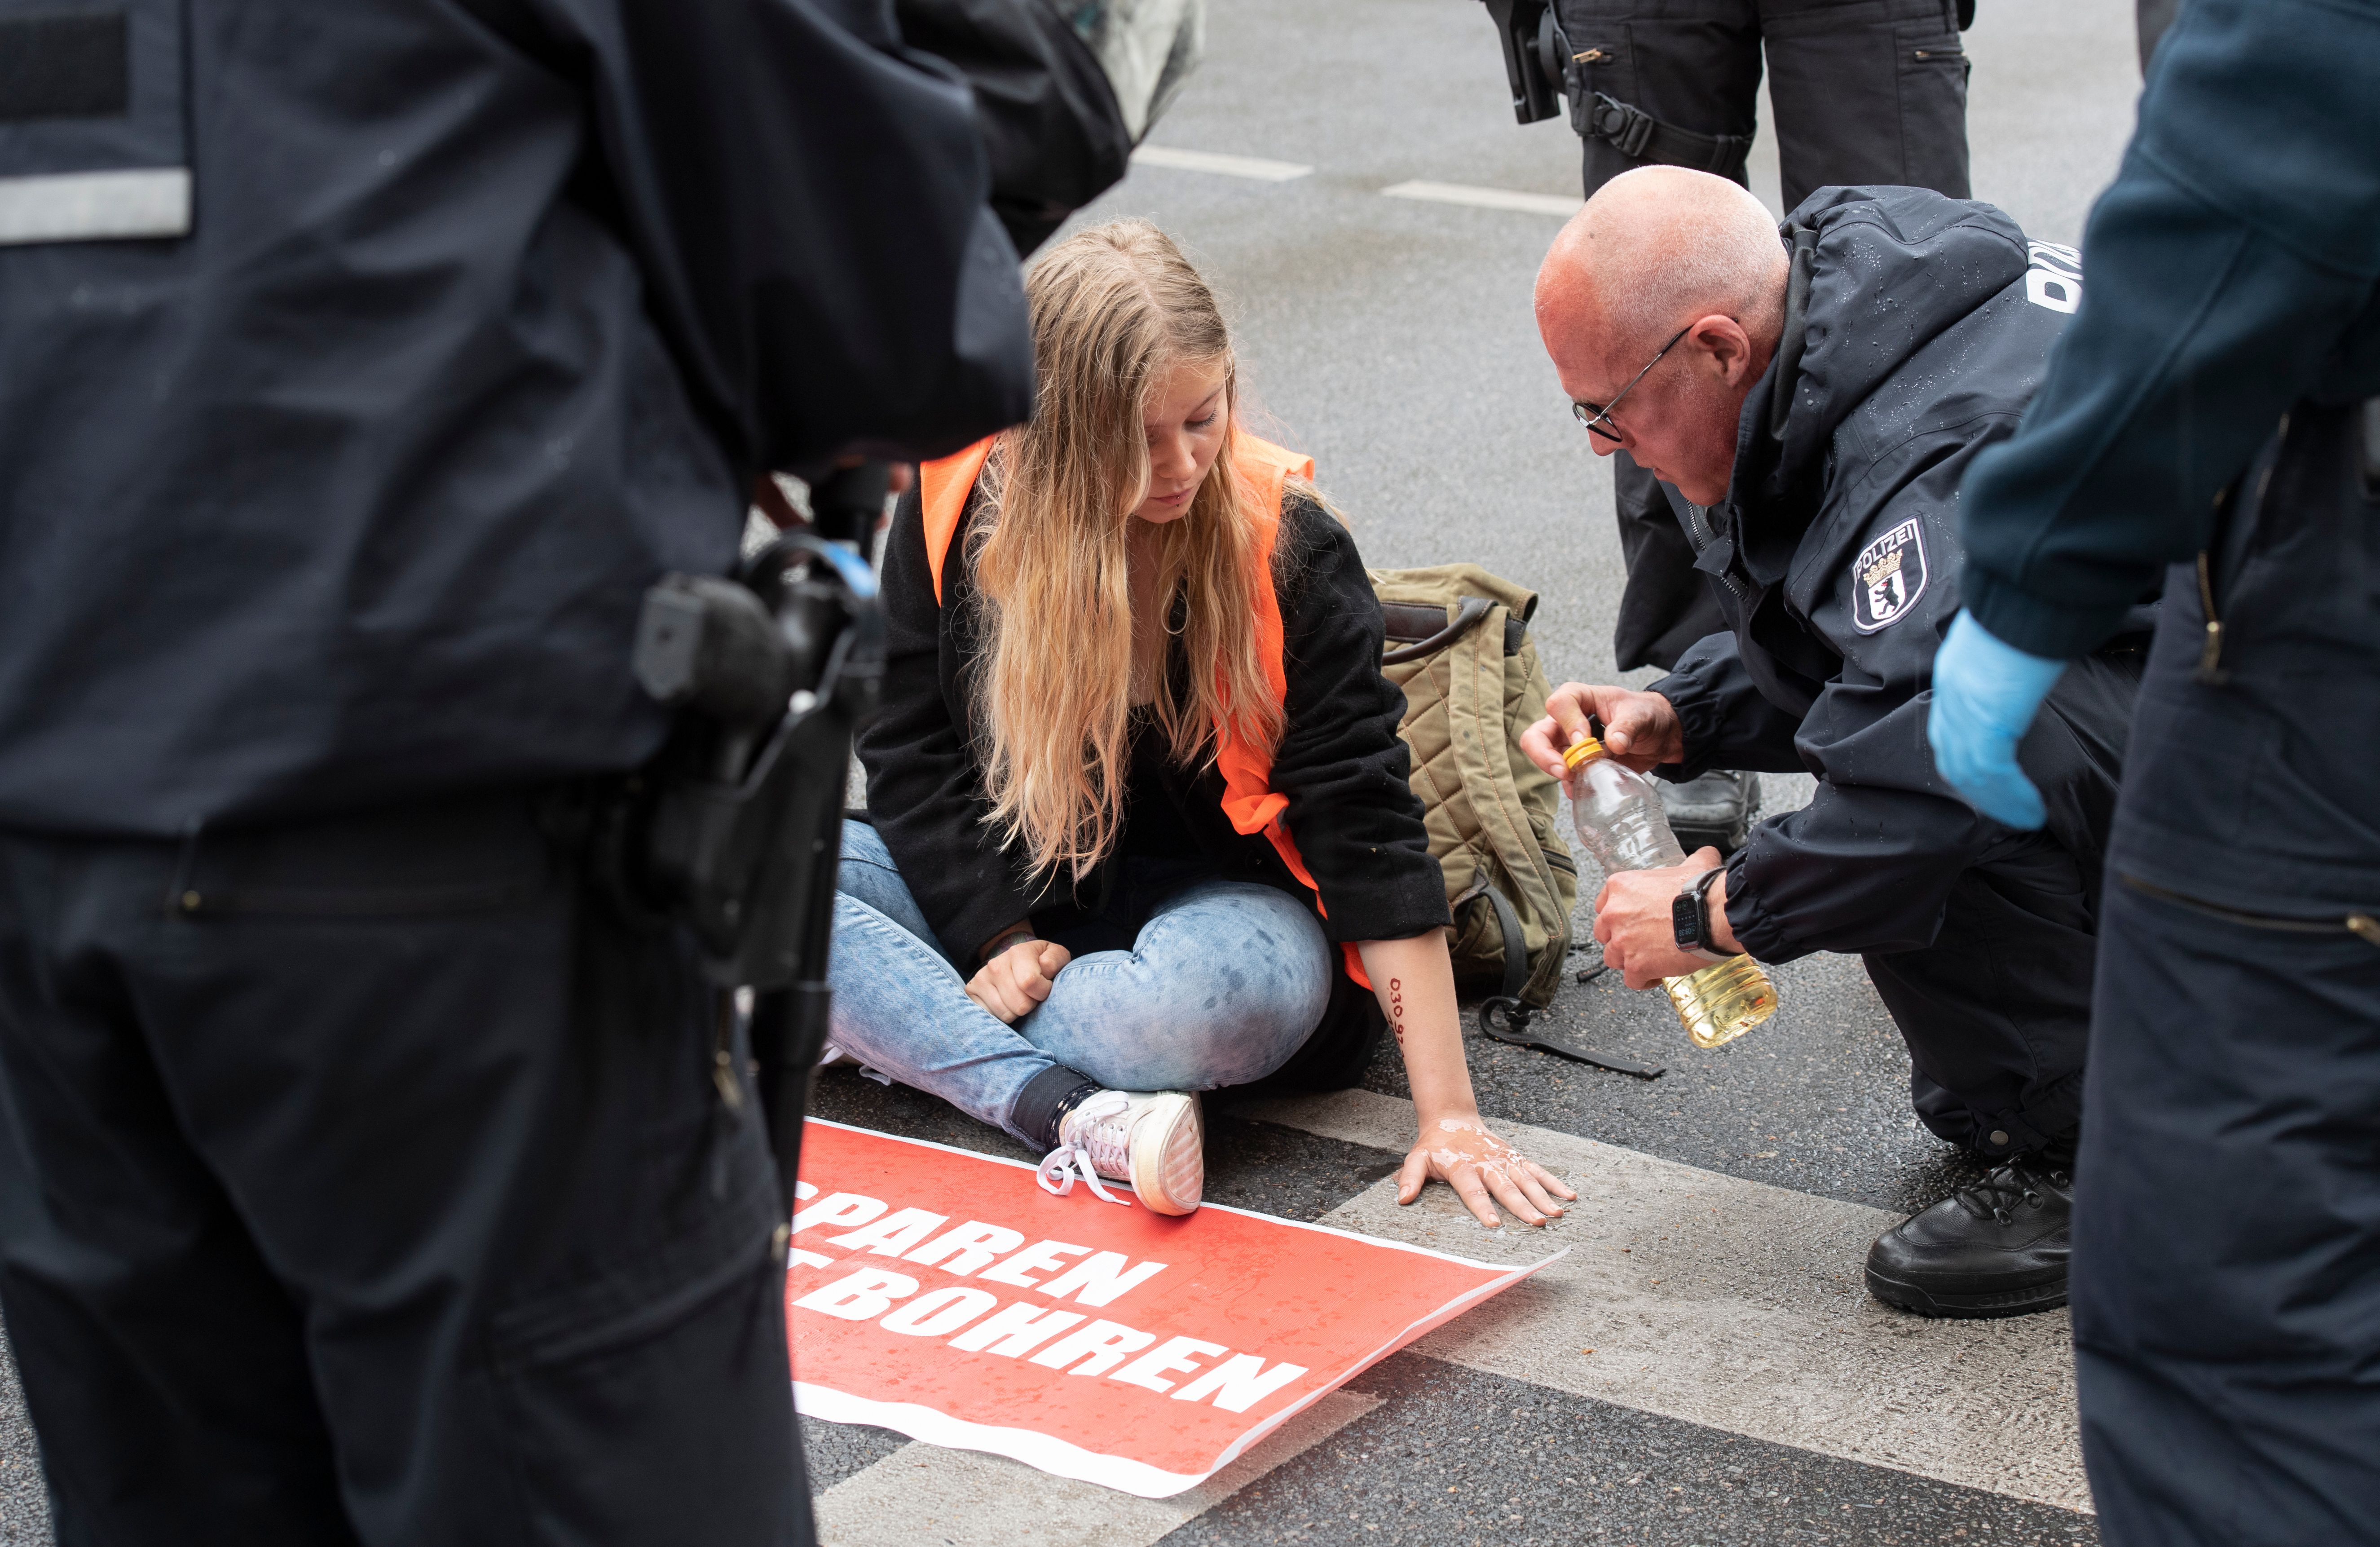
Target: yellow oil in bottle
[1619, 820]
[1723, 1001]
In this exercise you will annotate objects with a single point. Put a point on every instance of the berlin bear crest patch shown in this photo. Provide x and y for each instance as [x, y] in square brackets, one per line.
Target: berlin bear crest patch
[1887, 577]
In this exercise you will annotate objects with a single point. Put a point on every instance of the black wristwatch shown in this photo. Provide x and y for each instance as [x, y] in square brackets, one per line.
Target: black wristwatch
[1690, 917]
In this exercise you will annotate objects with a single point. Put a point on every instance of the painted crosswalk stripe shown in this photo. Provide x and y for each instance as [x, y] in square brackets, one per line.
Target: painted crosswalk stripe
[1730, 1304]
[1210, 160]
[920, 1494]
[1485, 198]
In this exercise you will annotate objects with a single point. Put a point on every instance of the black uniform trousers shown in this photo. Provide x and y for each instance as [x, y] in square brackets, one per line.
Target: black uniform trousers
[1996, 1012]
[2227, 1225]
[1865, 92]
[367, 1181]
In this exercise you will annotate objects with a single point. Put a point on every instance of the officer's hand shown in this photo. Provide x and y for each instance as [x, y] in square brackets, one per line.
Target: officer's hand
[1640, 729]
[1985, 694]
[1011, 984]
[1632, 918]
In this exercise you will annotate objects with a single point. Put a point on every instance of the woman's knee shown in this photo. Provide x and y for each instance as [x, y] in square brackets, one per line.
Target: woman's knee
[1216, 991]
[867, 873]
[862, 844]
[1254, 954]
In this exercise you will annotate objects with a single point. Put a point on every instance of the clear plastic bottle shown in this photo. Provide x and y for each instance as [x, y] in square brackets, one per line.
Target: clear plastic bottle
[1619, 817]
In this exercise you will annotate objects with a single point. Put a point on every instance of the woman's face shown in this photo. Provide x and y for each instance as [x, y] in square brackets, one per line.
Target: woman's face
[1185, 425]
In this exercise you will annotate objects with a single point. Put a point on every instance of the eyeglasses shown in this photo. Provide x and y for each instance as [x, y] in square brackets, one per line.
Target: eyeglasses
[1596, 419]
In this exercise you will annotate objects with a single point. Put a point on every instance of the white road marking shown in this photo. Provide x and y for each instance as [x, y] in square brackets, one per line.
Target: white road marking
[1210, 160]
[1730, 1304]
[1486, 197]
[923, 1494]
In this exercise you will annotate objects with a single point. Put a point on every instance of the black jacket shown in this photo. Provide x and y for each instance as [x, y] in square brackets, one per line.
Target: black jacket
[1051, 126]
[1838, 558]
[1340, 762]
[340, 483]
[2234, 269]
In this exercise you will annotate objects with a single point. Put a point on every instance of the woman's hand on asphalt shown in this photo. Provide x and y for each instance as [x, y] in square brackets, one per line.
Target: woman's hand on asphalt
[1011, 984]
[1640, 729]
[1461, 1153]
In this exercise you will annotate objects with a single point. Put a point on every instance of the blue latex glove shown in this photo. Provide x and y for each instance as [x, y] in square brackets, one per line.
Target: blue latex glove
[1984, 695]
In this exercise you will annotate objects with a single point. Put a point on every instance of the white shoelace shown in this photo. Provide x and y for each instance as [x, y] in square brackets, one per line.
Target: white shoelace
[1096, 1139]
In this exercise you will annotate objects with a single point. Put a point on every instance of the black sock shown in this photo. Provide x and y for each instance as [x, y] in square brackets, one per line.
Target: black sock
[1048, 1097]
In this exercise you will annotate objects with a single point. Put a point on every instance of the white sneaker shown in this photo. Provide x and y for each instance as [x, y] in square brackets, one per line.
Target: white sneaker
[1151, 1140]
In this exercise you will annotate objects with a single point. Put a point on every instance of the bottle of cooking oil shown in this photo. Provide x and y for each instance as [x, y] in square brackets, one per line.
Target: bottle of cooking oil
[1619, 817]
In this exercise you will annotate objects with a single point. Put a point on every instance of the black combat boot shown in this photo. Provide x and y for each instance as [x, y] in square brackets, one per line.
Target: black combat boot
[1996, 1248]
[1714, 809]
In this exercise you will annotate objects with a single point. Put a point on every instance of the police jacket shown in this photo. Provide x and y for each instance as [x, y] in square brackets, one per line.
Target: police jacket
[2216, 406]
[1340, 771]
[2235, 270]
[360, 365]
[1916, 327]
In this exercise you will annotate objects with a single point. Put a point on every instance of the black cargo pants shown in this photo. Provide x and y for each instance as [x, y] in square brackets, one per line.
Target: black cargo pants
[1865, 92]
[366, 1182]
[1996, 1012]
[2227, 1224]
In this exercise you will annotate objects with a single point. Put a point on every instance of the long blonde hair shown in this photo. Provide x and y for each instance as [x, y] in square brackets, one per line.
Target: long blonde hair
[1115, 309]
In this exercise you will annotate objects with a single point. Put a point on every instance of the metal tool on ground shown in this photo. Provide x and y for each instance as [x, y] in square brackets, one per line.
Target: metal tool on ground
[1497, 1022]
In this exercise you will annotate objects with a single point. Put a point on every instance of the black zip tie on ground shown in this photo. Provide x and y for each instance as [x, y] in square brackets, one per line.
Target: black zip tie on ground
[1509, 1021]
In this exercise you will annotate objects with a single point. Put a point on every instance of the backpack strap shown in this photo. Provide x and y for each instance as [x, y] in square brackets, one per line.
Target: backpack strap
[1516, 944]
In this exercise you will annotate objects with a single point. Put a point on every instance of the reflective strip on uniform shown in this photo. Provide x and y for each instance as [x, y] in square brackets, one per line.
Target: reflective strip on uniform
[95, 206]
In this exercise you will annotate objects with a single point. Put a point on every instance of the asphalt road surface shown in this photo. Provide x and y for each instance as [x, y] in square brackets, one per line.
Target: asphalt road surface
[1743, 1388]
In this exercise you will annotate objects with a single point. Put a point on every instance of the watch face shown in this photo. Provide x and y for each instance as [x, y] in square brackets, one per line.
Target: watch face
[1686, 920]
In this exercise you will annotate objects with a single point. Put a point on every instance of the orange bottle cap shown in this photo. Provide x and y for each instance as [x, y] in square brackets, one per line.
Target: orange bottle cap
[1587, 751]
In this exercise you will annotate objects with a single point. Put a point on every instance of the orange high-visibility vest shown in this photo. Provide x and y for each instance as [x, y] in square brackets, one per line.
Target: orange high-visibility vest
[1250, 802]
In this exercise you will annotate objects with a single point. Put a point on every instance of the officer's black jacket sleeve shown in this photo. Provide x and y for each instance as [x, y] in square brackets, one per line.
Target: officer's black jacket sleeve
[1340, 762]
[925, 792]
[807, 201]
[2227, 272]
[1869, 863]
[1048, 117]
[1726, 722]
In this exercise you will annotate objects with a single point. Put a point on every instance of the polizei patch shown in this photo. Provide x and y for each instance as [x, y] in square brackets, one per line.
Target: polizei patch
[1887, 577]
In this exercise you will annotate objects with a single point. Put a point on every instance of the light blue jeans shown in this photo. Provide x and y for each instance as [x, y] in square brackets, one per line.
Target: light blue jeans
[1225, 980]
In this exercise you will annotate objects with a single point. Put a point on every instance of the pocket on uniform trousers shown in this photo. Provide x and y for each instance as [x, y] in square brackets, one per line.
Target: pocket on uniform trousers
[1934, 71]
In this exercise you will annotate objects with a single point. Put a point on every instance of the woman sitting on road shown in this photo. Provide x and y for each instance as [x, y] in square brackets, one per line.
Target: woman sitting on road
[1134, 723]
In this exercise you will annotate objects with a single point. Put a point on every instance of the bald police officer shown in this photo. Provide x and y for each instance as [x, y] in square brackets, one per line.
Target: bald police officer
[1811, 403]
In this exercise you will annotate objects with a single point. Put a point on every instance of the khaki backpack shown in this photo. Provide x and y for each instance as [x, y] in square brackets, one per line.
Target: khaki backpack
[1459, 645]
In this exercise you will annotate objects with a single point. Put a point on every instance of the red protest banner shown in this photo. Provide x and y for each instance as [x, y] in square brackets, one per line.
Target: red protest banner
[943, 1294]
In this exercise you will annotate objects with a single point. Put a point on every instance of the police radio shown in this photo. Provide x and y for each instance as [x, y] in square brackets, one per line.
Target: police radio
[1535, 54]
[739, 834]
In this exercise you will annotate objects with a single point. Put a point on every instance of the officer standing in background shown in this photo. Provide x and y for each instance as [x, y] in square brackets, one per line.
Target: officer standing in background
[363, 1177]
[2215, 407]
[1866, 91]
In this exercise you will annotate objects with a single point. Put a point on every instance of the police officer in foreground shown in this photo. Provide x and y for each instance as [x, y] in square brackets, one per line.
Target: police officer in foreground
[2216, 409]
[1865, 92]
[1812, 404]
[365, 1176]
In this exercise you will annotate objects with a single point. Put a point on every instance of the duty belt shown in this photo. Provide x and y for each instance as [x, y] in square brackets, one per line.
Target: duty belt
[1639, 136]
